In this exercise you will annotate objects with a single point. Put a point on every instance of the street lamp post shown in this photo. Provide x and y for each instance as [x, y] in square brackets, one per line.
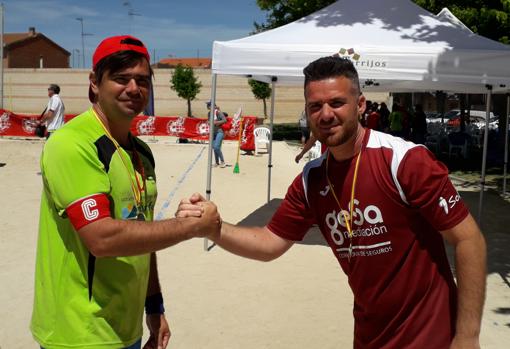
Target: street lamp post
[80, 19]
[76, 55]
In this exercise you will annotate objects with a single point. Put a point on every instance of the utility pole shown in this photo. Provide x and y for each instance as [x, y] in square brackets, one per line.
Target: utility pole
[76, 58]
[131, 13]
[80, 19]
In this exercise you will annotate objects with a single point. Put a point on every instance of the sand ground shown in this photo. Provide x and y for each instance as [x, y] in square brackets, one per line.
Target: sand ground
[215, 299]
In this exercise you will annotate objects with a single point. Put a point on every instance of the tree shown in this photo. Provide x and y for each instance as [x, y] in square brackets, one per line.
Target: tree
[260, 90]
[490, 18]
[186, 84]
[281, 12]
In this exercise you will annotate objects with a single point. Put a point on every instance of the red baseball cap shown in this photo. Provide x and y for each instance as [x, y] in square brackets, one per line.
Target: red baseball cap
[115, 44]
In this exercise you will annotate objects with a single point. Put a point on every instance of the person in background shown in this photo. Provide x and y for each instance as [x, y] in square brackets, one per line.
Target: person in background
[303, 127]
[396, 121]
[374, 118]
[384, 207]
[419, 129]
[96, 265]
[385, 117]
[218, 134]
[53, 116]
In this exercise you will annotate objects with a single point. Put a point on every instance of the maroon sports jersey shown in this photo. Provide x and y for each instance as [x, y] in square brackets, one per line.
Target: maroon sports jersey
[404, 292]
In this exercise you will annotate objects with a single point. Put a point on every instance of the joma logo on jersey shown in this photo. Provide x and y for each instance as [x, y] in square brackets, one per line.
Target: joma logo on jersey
[452, 201]
[89, 212]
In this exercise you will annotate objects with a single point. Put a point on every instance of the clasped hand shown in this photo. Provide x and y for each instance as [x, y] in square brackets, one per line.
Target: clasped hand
[205, 212]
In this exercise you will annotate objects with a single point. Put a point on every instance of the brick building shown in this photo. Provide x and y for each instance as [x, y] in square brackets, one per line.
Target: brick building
[33, 50]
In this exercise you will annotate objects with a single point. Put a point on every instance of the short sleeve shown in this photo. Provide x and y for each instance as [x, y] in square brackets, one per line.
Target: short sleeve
[426, 186]
[53, 104]
[293, 218]
[72, 170]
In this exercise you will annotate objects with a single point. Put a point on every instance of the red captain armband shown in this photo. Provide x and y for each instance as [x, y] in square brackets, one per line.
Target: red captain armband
[88, 210]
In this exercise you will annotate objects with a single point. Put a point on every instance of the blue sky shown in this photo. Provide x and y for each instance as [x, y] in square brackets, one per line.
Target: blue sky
[181, 28]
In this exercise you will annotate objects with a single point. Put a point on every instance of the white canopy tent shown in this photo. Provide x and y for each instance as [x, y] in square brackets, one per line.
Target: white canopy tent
[395, 45]
[395, 41]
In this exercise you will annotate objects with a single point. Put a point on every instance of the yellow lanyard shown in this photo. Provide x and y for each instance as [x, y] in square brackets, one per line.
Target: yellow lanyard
[348, 222]
[137, 189]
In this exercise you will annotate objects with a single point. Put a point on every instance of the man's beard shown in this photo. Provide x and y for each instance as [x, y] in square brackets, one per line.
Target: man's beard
[333, 140]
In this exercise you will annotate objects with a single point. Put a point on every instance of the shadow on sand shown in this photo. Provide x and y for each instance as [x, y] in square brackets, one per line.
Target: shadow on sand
[496, 228]
[263, 214]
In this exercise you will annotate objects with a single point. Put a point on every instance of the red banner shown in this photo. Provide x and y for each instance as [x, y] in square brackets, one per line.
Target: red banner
[12, 124]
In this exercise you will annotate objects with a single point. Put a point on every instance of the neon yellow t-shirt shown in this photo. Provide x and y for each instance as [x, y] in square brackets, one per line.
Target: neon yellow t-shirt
[79, 160]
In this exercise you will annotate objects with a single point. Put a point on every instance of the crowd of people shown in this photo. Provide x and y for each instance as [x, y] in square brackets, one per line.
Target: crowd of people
[400, 121]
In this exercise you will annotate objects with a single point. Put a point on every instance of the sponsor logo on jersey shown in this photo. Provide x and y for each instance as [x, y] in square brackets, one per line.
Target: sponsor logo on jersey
[129, 212]
[368, 222]
[325, 191]
[443, 204]
[448, 204]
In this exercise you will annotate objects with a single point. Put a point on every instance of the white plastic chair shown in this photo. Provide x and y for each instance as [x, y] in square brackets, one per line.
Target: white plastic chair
[261, 135]
[315, 151]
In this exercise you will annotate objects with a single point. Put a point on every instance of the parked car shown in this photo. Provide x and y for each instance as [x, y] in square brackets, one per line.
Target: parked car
[477, 118]
[433, 116]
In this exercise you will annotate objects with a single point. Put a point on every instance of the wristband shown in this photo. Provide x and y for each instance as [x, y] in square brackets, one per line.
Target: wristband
[154, 304]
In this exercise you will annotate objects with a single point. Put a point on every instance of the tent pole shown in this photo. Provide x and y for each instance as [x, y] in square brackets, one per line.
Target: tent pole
[270, 158]
[484, 157]
[209, 157]
[506, 142]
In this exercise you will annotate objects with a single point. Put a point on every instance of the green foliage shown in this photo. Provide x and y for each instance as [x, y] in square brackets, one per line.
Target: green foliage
[260, 90]
[287, 132]
[186, 84]
[281, 12]
[490, 18]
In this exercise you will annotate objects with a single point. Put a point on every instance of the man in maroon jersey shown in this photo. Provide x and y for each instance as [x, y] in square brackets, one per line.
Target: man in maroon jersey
[384, 206]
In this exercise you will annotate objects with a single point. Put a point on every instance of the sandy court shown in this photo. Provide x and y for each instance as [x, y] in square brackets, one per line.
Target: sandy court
[213, 299]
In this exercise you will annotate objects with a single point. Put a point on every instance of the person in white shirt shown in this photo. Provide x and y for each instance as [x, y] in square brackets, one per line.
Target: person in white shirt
[54, 114]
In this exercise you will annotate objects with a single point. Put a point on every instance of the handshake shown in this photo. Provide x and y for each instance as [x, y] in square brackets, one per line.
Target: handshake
[204, 214]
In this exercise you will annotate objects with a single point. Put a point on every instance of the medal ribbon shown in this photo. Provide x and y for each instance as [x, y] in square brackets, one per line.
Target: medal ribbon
[138, 188]
[348, 222]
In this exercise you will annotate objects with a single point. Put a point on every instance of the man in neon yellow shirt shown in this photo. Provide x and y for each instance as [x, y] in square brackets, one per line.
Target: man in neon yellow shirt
[96, 267]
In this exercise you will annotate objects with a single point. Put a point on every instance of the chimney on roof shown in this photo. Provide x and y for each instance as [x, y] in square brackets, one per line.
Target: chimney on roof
[31, 31]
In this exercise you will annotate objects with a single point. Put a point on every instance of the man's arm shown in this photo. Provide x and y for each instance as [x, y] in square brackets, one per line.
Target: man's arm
[470, 264]
[156, 321]
[308, 145]
[252, 242]
[220, 118]
[114, 237]
[50, 114]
